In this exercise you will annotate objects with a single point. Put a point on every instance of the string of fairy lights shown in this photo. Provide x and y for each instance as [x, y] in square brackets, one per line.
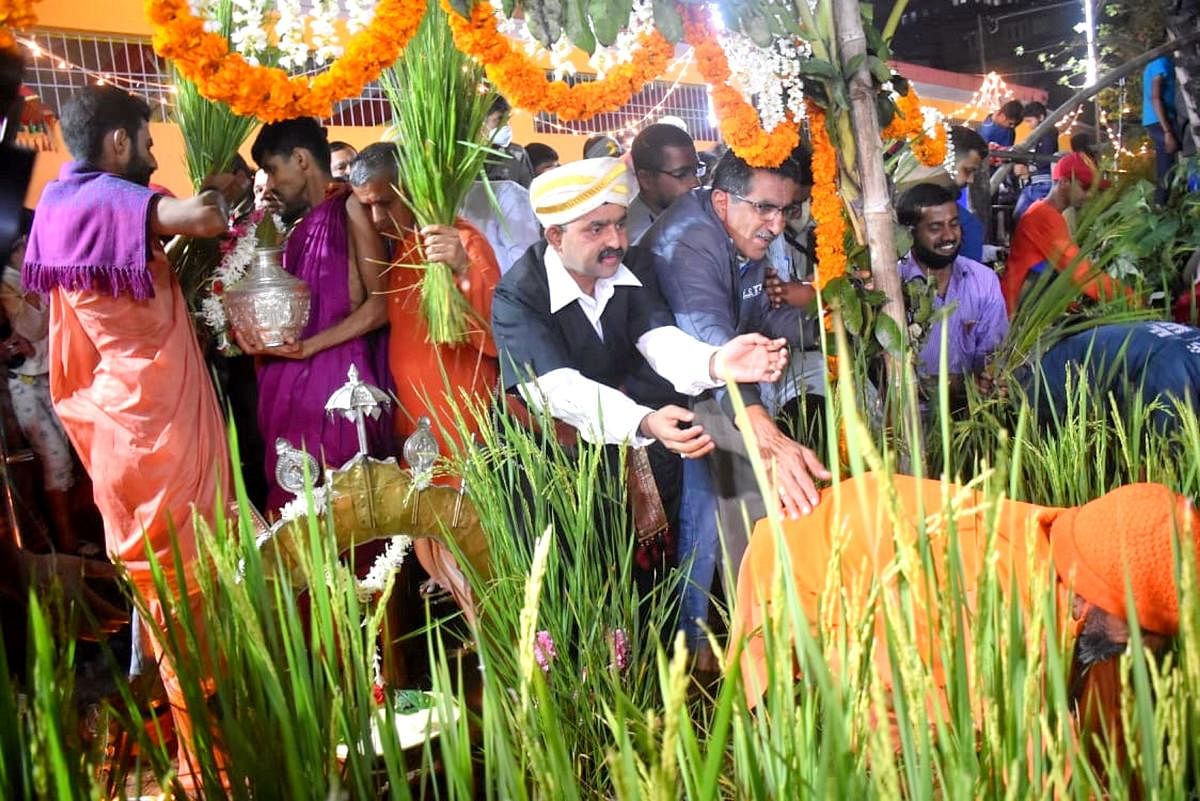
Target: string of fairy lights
[101, 78]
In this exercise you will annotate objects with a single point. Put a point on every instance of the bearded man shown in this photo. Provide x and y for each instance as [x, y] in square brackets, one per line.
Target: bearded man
[336, 251]
[127, 377]
[978, 321]
[1087, 554]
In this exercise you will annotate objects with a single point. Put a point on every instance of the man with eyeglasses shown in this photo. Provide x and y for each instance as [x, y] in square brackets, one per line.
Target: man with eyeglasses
[667, 167]
[713, 247]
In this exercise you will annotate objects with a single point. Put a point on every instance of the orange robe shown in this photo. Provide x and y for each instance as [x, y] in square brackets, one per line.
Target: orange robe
[432, 380]
[417, 366]
[130, 385]
[868, 551]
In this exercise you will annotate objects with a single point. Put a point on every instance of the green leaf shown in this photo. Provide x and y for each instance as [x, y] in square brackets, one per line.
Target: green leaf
[852, 312]
[463, 7]
[668, 20]
[853, 65]
[509, 6]
[544, 18]
[885, 108]
[879, 70]
[607, 19]
[576, 24]
[819, 68]
[876, 43]
[887, 334]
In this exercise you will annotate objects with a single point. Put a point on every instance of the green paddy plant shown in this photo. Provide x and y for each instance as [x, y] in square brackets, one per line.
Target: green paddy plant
[212, 134]
[279, 687]
[439, 102]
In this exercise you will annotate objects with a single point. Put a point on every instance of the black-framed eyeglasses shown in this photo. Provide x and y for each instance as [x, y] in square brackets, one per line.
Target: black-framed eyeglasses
[687, 171]
[769, 211]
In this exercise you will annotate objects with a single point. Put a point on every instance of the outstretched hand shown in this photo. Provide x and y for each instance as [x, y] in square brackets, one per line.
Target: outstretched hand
[749, 359]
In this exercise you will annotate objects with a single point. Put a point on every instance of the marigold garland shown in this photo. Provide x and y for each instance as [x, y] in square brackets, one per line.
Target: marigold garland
[827, 208]
[269, 93]
[524, 83]
[14, 15]
[740, 125]
[908, 124]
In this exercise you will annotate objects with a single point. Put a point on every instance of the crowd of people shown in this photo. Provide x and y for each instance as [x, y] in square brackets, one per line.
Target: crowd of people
[658, 298]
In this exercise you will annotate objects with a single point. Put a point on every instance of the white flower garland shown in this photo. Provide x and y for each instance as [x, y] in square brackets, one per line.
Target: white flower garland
[768, 77]
[386, 564]
[248, 29]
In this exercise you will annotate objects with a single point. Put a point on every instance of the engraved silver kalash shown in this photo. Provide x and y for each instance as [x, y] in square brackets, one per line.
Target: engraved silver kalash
[269, 301]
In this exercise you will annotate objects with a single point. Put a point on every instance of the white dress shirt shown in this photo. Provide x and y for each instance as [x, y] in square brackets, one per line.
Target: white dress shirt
[509, 226]
[600, 413]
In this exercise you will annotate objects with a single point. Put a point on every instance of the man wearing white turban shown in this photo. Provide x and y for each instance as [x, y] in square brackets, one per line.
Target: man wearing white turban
[584, 335]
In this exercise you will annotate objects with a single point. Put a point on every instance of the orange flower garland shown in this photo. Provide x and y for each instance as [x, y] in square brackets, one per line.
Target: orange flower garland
[826, 203]
[14, 15]
[908, 123]
[524, 83]
[740, 125]
[269, 93]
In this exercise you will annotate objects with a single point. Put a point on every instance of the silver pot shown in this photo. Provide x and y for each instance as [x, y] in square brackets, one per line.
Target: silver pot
[269, 301]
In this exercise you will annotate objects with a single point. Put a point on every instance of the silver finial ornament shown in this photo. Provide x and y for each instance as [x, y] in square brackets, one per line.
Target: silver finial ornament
[421, 452]
[291, 465]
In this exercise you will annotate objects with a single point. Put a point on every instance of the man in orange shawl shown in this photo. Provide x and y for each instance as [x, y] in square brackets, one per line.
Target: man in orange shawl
[434, 381]
[127, 377]
[1091, 548]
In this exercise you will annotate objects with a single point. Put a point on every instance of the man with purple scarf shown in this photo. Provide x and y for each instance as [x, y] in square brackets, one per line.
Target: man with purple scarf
[127, 377]
[978, 321]
[336, 251]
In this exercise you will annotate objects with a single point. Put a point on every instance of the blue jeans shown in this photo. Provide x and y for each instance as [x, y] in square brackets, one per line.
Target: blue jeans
[1163, 161]
[699, 548]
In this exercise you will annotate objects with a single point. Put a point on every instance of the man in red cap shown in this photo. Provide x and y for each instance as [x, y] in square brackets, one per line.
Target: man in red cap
[1043, 240]
[1083, 555]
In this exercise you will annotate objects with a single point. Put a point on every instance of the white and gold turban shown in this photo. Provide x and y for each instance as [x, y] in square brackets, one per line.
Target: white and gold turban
[568, 192]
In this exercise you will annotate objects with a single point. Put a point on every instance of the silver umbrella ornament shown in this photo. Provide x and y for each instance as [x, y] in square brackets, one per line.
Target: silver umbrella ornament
[357, 400]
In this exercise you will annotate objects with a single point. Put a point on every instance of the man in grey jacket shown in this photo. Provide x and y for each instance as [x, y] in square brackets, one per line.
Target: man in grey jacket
[713, 245]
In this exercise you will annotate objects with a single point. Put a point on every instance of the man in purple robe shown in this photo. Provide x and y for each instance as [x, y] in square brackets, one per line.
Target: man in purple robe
[336, 251]
[978, 322]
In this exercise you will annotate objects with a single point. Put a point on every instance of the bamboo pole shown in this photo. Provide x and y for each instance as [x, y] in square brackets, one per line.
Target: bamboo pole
[1085, 94]
[876, 202]
[876, 198]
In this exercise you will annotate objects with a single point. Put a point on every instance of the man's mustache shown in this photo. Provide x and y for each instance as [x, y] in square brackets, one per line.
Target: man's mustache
[610, 252]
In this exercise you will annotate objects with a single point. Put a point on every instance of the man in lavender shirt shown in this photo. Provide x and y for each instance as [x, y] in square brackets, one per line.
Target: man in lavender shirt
[978, 320]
